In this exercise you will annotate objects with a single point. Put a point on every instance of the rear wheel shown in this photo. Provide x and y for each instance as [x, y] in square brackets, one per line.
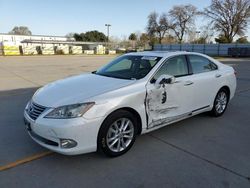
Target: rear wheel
[117, 133]
[220, 103]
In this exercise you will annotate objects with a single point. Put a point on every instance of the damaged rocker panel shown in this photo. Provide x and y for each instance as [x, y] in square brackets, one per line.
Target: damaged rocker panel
[168, 120]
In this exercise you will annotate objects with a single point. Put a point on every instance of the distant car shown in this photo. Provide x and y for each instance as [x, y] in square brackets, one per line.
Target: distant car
[134, 94]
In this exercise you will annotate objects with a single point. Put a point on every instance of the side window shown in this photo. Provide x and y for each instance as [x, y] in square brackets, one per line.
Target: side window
[201, 64]
[176, 66]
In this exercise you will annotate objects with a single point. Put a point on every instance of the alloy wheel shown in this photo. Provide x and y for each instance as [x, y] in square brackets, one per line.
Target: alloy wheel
[221, 102]
[120, 135]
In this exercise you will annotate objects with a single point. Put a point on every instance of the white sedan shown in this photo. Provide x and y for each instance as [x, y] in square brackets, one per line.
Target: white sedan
[134, 94]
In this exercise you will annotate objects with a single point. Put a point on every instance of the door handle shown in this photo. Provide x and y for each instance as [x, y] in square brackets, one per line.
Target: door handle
[188, 83]
[217, 75]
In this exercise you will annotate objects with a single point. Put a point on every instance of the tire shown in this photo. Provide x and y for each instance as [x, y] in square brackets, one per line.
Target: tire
[117, 133]
[220, 103]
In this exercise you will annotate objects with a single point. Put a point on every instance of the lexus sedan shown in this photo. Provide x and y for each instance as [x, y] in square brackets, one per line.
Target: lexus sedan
[134, 94]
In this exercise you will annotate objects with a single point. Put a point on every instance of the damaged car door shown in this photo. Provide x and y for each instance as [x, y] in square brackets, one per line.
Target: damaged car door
[169, 93]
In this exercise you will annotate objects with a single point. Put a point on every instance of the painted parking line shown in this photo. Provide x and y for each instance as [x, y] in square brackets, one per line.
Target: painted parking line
[25, 160]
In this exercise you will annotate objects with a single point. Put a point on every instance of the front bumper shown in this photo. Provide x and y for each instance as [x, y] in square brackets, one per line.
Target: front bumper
[49, 132]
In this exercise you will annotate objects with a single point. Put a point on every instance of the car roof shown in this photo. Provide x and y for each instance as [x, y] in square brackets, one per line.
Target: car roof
[157, 53]
[162, 53]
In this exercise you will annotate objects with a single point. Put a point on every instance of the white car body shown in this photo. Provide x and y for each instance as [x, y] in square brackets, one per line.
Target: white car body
[188, 96]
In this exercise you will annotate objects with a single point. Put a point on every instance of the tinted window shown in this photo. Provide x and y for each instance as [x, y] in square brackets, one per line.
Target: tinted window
[124, 64]
[129, 67]
[201, 64]
[176, 66]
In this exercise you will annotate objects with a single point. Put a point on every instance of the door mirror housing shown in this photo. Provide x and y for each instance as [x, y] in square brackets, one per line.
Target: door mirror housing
[164, 79]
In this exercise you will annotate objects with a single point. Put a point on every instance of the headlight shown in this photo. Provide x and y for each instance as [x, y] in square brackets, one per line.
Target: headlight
[70, 111]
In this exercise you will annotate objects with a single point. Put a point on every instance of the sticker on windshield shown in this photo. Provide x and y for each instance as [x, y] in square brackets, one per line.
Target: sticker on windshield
[149, 58]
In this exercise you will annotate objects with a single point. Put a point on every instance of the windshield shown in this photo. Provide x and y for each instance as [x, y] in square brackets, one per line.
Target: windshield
[129, 67]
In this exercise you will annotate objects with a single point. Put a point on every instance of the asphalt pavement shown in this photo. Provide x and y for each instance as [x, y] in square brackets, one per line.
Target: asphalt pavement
[201, 151]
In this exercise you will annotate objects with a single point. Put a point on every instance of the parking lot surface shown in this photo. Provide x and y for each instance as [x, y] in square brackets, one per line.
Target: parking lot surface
[197, 152]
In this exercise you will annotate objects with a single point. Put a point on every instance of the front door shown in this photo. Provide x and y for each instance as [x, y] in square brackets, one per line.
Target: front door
[169, 102]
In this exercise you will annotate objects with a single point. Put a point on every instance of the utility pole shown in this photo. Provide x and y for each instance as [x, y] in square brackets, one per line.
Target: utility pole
[197, 33]
[107, 25]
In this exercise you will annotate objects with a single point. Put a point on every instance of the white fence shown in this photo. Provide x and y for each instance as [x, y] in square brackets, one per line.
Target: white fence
[209, 49]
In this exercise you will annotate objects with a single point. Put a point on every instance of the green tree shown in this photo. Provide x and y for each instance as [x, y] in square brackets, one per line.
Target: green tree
[222, 39]
[242, 40]
[90, 36]
[21, 30]
[94, 36]
[132, 36]
[77, 37]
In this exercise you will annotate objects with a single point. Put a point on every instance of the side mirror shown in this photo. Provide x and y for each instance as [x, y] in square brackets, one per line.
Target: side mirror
[164, 79]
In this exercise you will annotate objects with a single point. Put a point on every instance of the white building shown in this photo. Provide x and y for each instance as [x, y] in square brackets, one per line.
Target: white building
[16, 39]
[43, 44]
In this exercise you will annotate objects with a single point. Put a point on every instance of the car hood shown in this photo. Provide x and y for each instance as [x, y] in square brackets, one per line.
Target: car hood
[76, 89]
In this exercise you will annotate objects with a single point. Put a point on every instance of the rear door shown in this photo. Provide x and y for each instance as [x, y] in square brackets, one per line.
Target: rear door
[170, 102]
[206, 78]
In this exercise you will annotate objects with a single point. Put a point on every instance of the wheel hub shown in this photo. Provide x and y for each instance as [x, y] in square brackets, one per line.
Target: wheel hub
[221, 102]
[120, 134]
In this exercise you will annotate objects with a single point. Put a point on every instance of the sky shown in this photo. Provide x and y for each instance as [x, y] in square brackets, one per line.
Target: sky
[59, 17]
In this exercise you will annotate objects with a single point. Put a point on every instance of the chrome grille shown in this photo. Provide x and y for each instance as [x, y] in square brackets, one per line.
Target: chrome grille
[34, 110]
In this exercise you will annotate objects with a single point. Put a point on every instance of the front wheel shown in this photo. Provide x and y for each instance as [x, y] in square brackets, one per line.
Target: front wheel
[220, 103]
[117, 133]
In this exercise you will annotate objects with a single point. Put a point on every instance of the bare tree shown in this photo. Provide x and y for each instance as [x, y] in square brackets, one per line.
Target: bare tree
[70, 36]
[114, 42]
[144, 39]
[207, 32]
[157, 26]
[22, 30]
[229, 17]
[124, 43]
[182, 18]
